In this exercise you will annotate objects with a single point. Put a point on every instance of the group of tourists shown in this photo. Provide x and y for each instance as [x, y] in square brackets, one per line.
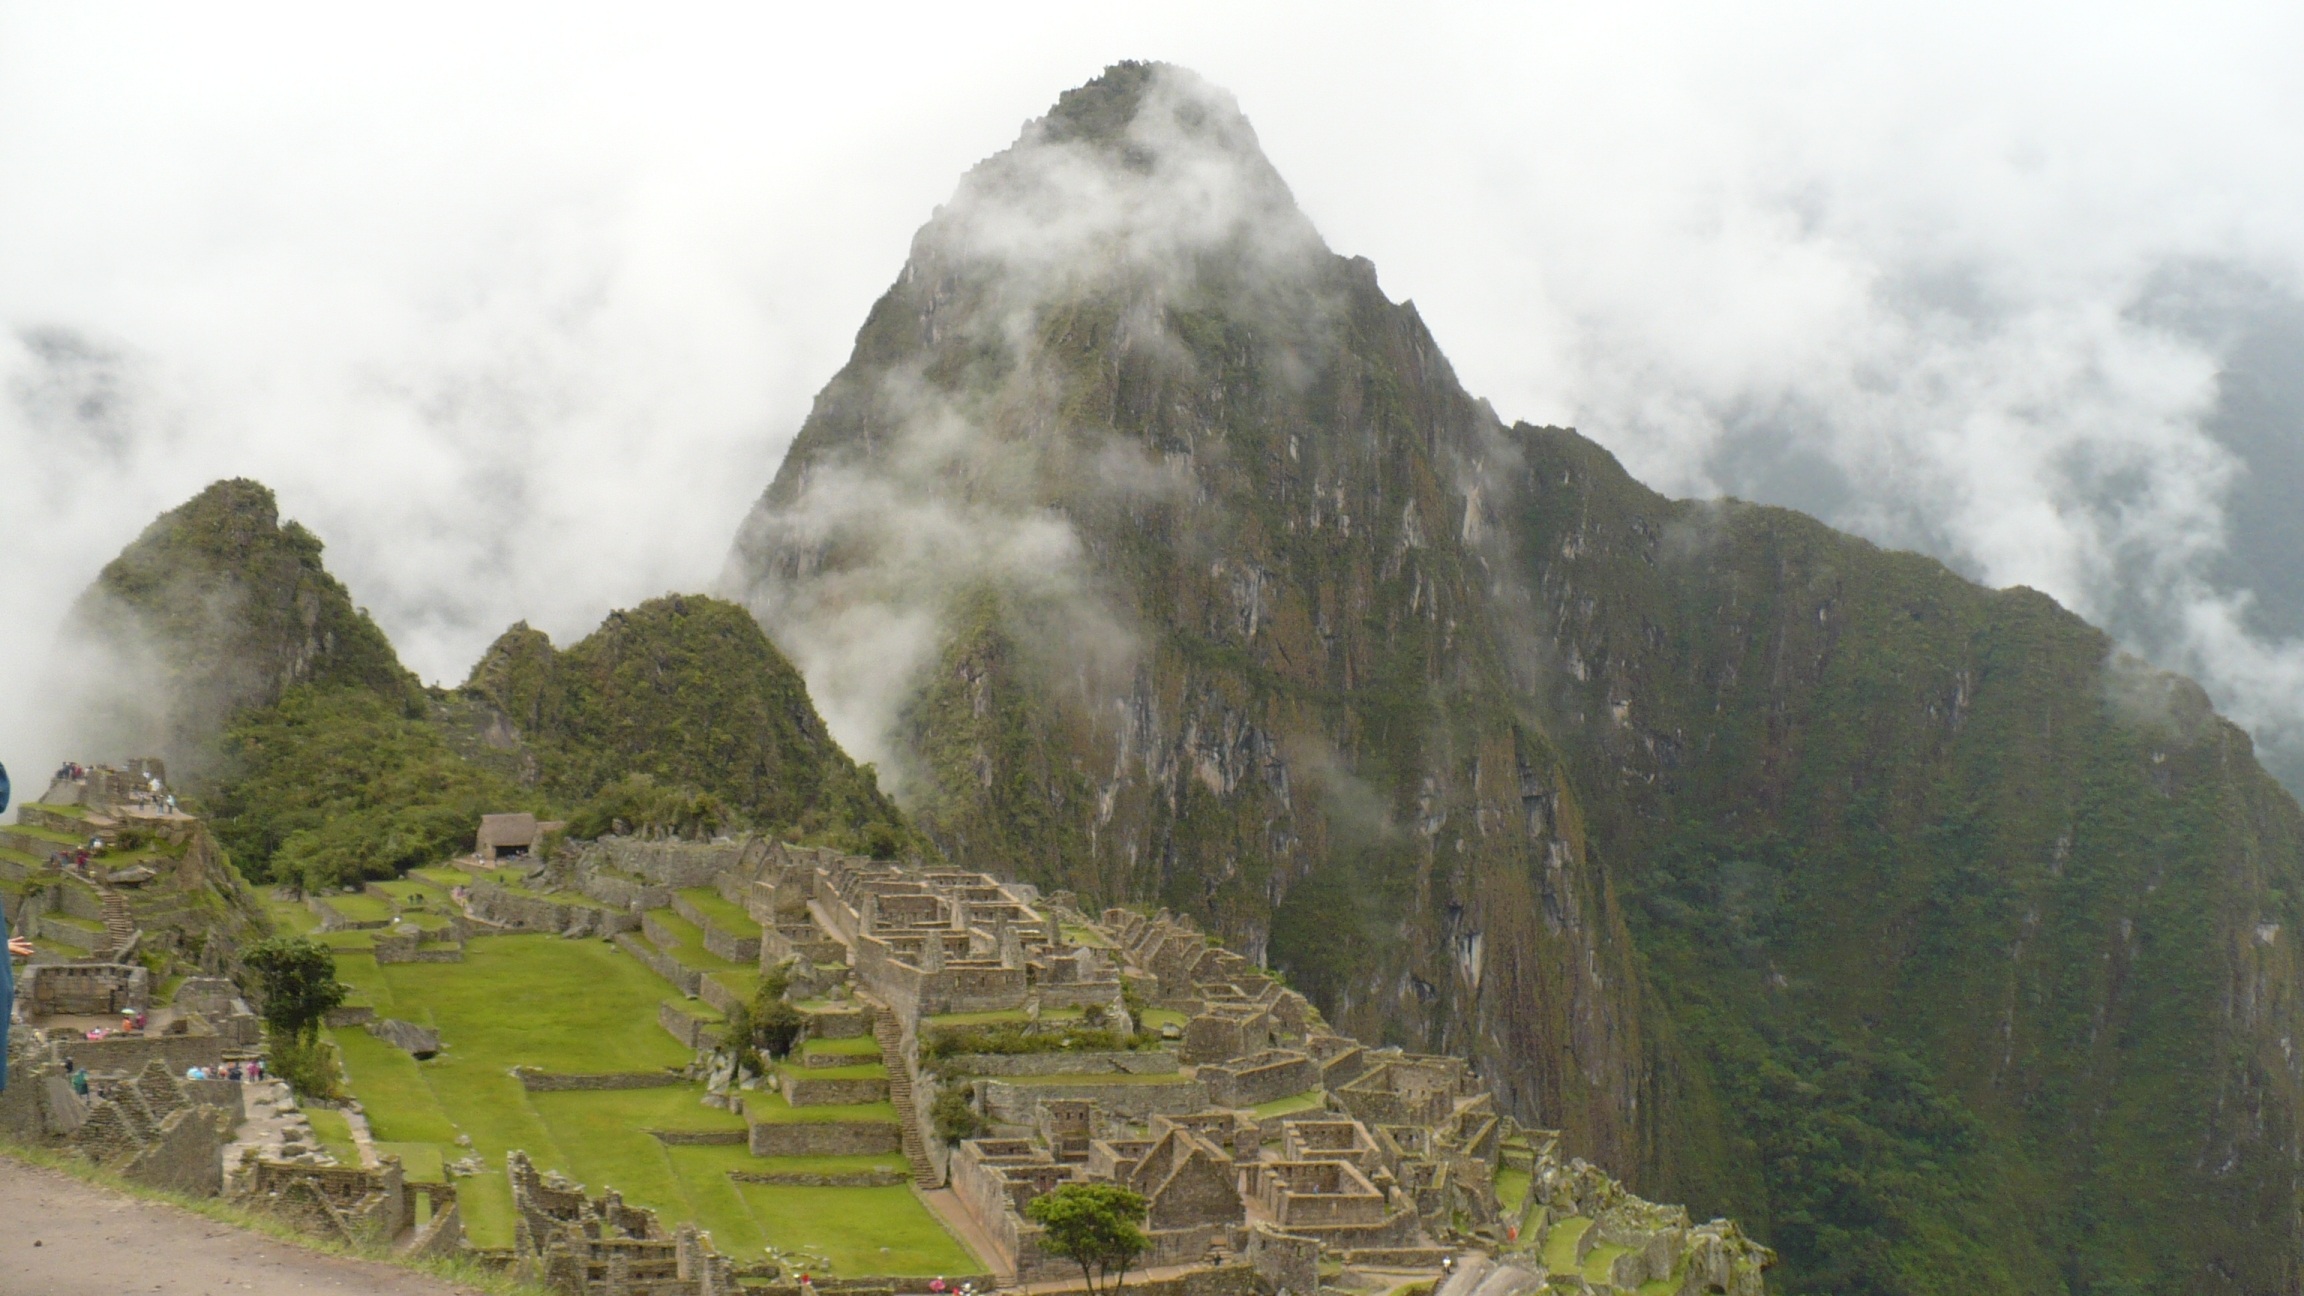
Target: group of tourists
[71, 772]
[234, 1071]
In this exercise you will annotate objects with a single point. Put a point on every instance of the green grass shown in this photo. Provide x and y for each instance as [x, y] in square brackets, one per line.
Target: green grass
[89, 925]
[860, 1046]
[769, 1108]
[860, 1230]
[360, 908]
[741, 982]
[1309, 1100]
[1560, 1244]
[510, 1003]
[1511, 1191]
[68, 811]
[1596, 1264]
[422, 1162]
[334, 1133]
[860, 1071]
[1155, 1018]
[715, 907]
[46, 834]
[688, 943]
[291, 916]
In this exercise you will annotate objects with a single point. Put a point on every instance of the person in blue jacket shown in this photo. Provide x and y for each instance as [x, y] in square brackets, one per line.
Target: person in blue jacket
[18, 948]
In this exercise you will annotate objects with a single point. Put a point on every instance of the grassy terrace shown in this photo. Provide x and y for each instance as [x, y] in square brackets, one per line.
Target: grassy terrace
[990, 1018]
[334, 1133]
[769, 1108]
[361, 908]
[688, 943]
[859, 1071]
[738, 981]
[585, 1007]
[860, 1046]
[727, 917]
[1312, 1100]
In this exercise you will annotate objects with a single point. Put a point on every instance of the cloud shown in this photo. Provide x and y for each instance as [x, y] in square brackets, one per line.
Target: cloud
[519, 315]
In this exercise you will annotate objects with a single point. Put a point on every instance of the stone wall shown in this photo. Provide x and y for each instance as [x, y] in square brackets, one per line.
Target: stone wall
[1260, 1078]
[693, 1032]
[1148, 1062]
[824, 1138]
[493, 903]
[688, 979]
[1012, 1101]
[699, 1138]
[553, 1082]
[131, 1052]
[803, 1090]
[623, 892]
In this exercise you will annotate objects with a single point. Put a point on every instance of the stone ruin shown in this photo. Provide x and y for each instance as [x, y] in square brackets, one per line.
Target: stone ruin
[598, 1246]
[1377, 1157]
[149, 1126]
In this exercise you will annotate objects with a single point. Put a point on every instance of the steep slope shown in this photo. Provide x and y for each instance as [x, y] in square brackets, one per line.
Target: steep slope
[1864, 805]
[687, 691]
[1155, 553]
[1133, 534]
[217, 607]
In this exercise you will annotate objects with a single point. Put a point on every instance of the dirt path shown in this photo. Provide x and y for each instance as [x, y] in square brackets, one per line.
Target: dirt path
[62, 1237]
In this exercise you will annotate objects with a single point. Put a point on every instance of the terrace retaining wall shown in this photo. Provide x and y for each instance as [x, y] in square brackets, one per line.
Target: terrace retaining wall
[825, 1138]
[688, 979]
[692, 1032]
[1150, 1062]
[1014, 1101]
[555, 1082]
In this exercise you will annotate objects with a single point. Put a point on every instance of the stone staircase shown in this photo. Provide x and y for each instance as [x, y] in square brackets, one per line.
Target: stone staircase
[891, 1040]
[119, 922]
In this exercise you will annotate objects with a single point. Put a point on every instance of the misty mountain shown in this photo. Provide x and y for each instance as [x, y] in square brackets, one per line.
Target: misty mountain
[219, 638]
[1153, 552]
[216, 608]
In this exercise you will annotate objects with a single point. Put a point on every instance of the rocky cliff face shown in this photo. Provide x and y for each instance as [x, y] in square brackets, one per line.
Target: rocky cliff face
[1155, 553]
[1855, 798]
[218, 606]
[1135, 538]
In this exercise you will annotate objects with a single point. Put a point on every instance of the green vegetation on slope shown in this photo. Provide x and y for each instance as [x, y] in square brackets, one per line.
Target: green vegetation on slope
[337, 785]
[1944, 899]
[682, 709]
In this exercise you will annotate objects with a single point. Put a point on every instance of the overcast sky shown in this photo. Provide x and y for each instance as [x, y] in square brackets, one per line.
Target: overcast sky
[518, 309]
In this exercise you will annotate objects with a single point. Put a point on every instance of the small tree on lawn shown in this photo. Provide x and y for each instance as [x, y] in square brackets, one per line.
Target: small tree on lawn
[295, 983]
[1096, 1226]
[296, 987]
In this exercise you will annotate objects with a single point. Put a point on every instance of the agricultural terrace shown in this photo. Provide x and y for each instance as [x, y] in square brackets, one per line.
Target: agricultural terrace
[586, 1007]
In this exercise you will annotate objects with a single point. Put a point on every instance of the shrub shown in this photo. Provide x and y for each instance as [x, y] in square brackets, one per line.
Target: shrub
[956, 1117]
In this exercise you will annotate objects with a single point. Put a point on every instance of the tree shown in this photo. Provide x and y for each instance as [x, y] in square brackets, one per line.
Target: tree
[774, 1024]
[1096, 1226]
[296, 984]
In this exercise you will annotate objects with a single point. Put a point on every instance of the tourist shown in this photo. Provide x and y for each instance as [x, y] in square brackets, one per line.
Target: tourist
[79, 1080]
[18, 947]
[938, 1285]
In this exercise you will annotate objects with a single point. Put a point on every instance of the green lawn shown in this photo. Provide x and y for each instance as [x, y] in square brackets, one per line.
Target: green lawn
[741, 982]
[858, 1071]
[580, 1006]
[360, 908]
[729, 918]
[860, 1230]
[1511, 1191]
[334, 1133]
[291, 916]
[860, 1046]
[688, 942]
[1309, 1100]
[1560, 1244]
